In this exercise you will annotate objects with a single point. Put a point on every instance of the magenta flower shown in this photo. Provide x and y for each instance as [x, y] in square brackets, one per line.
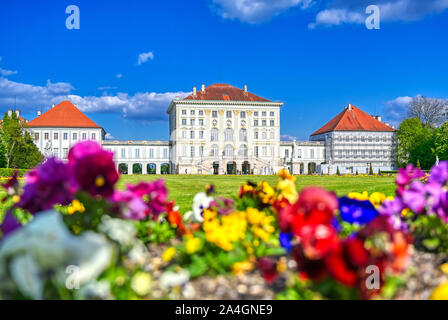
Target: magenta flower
[93, 169]
[406, 176]
[415, 197]
[143, 199]
[224, 205]
[46, 185]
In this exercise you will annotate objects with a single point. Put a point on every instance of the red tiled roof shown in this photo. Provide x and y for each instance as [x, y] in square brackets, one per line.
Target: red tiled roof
[353, 119]
[225, 92]
[64, 115]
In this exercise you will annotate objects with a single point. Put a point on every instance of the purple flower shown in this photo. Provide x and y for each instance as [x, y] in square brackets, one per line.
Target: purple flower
[9, 224]
[224, 205]
[406, 175]
[356, 211]
[46, 185]
[439, 174]
[415, 197]
[93, 169]
[392, 210]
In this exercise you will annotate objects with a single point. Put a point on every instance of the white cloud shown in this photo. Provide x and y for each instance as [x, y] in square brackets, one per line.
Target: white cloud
[353, 11]
[119, 76]
[256, 11]
[107, 88]
[108, 136]
[396, 110]
[287, 137]
[5, 73]
[144, 57]
[145, 106]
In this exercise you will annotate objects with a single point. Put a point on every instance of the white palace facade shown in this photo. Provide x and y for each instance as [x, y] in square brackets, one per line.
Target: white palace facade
[222, 129]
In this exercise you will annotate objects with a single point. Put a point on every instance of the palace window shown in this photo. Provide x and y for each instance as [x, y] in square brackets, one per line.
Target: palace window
[263, 114]
[256, 151]
[56, 152]
[184, 112]
[299, 153]
[55, 136]
[265, 151]
[184, 134]
[312, 153]
[256, 135]
[192, 112]
[123, 153]
[184, 151]
[272, 113]
[151, 153]
[228, 151]
[214, 134]
[214, 114]
[243, 135]
[286, 153]
[201, 122]
[84, 136]
[272, 123]
[192, 151]
[263, 123]
[271, 135]
[229, 114]
[184, 122]
[201, 134]
[65, 136]
[201, 151]
[192, 122]
[228, 135]
[242, 151]
[46, 136]
[255, 123]
[191, 134]
[36, 136]
[137, 153]
[165, 153]
[93, 136]
[264, 135]
[243, 115]
[201, 112]
[75, 136]
[256, 114]
[214, 150]
[65, 153]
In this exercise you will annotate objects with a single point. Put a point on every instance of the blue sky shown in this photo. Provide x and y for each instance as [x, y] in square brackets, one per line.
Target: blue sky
[316, 56]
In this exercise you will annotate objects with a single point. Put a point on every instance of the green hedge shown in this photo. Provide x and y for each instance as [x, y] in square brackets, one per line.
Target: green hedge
[8, 172]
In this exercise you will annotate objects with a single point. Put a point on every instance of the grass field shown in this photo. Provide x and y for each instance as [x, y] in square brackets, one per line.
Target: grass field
[182, 188]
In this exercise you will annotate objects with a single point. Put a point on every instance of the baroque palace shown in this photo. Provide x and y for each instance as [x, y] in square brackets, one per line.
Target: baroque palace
[222, 129]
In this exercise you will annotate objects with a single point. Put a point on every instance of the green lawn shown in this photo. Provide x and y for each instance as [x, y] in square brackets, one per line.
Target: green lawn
[182, 188]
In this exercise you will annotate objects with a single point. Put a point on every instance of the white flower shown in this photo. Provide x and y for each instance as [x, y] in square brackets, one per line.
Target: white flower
[201, 201]
[173, 279]
[122, 231]
[141, 283]
[45, 246]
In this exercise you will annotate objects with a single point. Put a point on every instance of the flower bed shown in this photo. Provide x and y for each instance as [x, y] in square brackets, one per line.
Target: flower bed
[70, 234]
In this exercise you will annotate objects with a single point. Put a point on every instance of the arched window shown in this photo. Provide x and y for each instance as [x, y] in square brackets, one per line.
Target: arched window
[214, 134]
[243, 134]
[228, 134]
[228, 151]
[214, 150]
[242, 151]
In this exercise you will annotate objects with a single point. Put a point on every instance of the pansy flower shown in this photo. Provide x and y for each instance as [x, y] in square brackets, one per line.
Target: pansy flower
[356, 211]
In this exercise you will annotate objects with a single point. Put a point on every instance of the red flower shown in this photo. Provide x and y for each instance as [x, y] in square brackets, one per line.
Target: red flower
[317, 240]
[268, 269]
[317, 199]
[308, 269]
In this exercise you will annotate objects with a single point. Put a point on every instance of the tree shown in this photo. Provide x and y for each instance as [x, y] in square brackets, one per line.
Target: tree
[441, 142]
[418, 165]
[338, 172]
[370, 169]
[20, 150]
[415, 141]
[430, 111]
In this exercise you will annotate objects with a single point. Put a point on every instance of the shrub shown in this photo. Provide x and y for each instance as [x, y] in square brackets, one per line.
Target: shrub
[8, 172]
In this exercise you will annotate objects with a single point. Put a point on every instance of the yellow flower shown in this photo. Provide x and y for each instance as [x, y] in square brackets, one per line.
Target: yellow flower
[359, 196]
[193, 245]
[267, 193]
[284, 173]
[288, 190]
[242, 267]
[168, 254]
[141, 283]
[76, 206]
[444, 268]
[254, 216]
[440, 293]
[377, 198]
[15, 199]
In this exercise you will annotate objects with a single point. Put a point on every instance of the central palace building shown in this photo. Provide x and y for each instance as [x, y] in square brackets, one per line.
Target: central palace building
[222, 129]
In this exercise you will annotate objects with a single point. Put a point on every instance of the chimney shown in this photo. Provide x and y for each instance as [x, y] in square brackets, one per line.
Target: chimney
[39, 112]
[245, 88]
[349, 106]
[194, 91]
[379, 118]
[18, 114]
[10, 113]
[52, 105]
[203, 88]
